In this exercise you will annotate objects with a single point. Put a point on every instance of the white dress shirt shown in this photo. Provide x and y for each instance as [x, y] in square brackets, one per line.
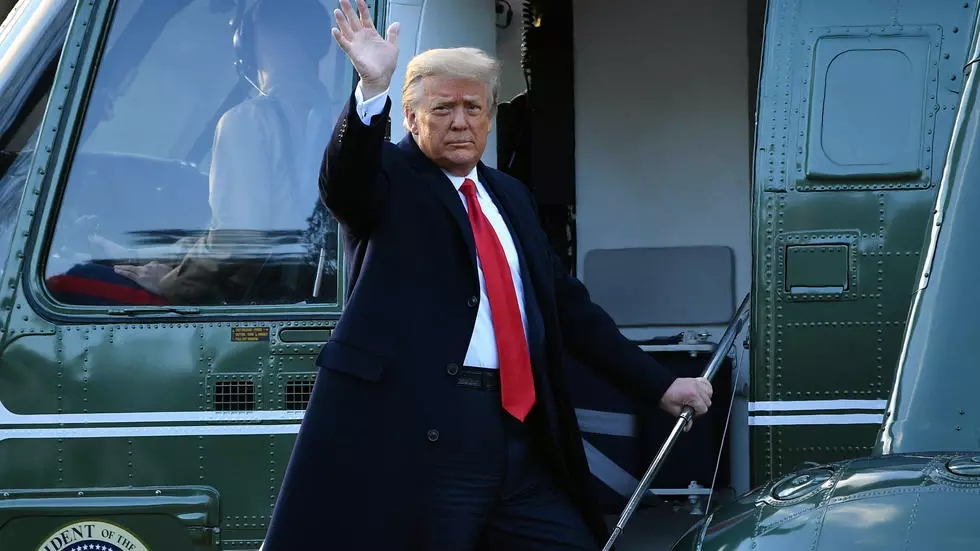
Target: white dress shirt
[482, 351]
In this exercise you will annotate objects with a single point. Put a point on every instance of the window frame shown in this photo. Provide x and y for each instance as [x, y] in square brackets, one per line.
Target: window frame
[30, 55]
[64, 118]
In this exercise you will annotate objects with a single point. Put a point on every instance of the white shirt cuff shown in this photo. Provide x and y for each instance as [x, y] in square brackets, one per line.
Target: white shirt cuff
[371, 107]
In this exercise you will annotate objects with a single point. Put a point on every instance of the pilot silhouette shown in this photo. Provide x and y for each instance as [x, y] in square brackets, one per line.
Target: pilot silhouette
[266, 155]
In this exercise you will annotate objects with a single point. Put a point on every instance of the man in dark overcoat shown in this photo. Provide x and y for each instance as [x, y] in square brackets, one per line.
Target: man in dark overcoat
[440, 419]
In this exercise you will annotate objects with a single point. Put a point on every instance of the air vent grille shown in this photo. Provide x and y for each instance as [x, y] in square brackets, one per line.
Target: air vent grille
[298, 394]
[234, 396]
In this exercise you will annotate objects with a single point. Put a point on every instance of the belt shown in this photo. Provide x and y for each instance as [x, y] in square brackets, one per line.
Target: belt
[480, 378]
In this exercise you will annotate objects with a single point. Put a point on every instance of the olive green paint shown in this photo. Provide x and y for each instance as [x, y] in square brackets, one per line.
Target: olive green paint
[896, 502]
[921, 485]
[934, 404]
[66, 360]
[857, 103]
[839, 223]
[164, 518]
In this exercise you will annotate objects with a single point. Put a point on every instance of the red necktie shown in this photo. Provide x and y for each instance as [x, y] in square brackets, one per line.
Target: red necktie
[516, 382]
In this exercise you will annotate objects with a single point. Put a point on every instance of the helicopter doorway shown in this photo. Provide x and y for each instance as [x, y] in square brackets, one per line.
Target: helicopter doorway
[637, 139]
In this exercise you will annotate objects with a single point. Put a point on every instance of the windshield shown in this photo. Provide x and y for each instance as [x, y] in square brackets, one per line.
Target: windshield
[195, 177]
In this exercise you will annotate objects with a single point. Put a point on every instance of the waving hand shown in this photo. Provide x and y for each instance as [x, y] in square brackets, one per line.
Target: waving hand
[373, 57]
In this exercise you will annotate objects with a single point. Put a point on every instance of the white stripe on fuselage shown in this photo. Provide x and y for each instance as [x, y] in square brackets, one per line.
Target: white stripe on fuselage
[813, 405]
[824, 419]
[859, 412]
[270, 422]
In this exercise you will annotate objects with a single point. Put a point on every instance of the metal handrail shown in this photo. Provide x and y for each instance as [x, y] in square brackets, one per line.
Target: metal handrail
[726, 342]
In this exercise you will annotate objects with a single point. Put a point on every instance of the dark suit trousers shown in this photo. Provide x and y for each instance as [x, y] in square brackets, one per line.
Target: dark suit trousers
[499, 496]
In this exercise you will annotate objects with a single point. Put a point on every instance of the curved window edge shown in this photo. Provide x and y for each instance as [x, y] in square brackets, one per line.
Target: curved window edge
[49, 157]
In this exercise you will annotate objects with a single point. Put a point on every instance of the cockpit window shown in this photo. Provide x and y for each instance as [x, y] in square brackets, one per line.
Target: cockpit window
[194, 181]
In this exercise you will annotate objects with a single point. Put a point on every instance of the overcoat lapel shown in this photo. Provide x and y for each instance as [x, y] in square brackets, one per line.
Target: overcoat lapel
[522, 230]
[519, 222]
[444, 190]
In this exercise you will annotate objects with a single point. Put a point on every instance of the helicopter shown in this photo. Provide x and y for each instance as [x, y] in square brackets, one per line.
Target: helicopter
[918, 487]
[156, 358]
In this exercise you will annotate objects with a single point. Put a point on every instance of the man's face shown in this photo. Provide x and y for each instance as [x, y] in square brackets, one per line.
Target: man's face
[452, 122]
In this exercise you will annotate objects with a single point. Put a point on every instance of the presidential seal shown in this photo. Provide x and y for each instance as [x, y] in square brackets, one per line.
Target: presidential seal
[92, 535]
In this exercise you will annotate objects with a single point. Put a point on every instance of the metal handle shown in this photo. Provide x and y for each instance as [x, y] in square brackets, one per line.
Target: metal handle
[687, 413]
[318, 282]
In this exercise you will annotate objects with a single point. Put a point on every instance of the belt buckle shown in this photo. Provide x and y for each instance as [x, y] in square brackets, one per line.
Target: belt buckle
[491, 380]
[477, 378]
[468, 380]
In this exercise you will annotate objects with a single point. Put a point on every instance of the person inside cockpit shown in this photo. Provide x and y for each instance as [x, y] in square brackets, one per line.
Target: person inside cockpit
[265, 159]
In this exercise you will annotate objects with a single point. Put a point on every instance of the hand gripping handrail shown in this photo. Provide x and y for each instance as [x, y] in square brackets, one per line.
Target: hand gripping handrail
[734, 328]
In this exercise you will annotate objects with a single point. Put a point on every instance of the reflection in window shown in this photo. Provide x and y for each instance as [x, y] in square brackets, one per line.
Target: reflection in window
[20, 125]
[195, 178]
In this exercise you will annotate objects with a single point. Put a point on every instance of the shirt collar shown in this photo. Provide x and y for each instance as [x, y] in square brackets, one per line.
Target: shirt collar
[458, 180]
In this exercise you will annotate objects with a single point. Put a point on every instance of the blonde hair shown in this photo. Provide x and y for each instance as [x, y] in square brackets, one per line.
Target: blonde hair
[464, 63]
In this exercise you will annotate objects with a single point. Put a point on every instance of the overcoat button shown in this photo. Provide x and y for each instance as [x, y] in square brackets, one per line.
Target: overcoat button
[473, 301]
[452, 369]
[432, 435]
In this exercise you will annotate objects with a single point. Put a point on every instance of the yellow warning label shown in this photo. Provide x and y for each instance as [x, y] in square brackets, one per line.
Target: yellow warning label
[249, 334]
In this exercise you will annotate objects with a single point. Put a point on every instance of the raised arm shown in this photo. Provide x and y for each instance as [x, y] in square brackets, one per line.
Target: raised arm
[351, 184]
